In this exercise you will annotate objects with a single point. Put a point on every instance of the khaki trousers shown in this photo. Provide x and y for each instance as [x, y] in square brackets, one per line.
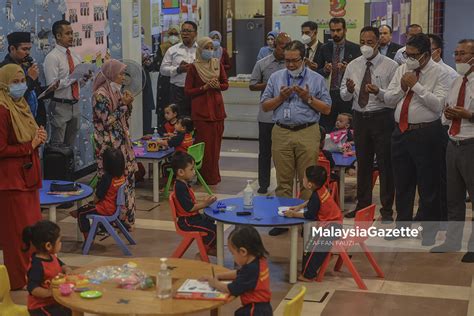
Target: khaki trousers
[293, 152]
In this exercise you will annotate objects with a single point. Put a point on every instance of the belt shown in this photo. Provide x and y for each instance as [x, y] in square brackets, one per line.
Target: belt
[295, 128]
[370, 114]
[68, 101]
[462, 142]
[412, 127]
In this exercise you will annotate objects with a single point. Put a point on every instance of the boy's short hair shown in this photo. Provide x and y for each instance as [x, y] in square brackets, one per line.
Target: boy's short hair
[181, 160]
[349, 117]
[187, 123]
[316, 175]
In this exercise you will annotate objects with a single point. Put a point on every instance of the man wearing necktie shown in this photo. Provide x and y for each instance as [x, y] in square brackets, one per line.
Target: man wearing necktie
[58, 65]
[364, 82]
[459, 114]
[418, 90]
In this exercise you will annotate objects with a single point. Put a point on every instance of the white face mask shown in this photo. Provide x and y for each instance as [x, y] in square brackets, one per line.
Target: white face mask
[173, 39]
[305, 39]
[463, 68]
[295, 73]
[367, 51]
[413, 63]
[116, 86]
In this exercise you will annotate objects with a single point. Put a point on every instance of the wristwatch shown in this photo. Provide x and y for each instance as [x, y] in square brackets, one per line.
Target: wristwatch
[310, 99]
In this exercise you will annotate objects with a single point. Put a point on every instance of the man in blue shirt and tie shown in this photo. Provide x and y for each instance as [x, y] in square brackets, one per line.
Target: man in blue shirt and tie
[297, 96]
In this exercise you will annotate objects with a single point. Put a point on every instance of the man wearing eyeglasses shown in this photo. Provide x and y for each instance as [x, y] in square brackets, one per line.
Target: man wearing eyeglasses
[175, 65]
[459, 114]
[418, 90]
[297, 96]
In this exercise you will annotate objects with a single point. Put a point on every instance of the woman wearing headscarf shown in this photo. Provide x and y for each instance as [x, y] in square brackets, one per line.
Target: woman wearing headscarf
[205, 80]
[163, 86]
[111, 113]
[220, 52]
[20, 171]
[268, 49]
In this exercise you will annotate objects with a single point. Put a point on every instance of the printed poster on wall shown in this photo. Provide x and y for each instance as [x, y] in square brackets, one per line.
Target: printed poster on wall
[294, 7]
[88, 21]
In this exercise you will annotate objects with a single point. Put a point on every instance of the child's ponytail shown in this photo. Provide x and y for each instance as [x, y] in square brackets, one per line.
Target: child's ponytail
[27, 237]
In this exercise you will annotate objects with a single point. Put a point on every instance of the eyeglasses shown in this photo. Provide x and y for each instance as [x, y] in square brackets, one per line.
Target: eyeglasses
[462, 53]
[406, 55]
[187, 31]
[292, 61]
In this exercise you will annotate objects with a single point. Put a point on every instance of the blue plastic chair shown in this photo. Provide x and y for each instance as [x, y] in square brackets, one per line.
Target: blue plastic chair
[106, 222]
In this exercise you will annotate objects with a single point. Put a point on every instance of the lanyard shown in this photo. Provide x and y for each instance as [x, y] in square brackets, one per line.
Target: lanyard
[299, 83]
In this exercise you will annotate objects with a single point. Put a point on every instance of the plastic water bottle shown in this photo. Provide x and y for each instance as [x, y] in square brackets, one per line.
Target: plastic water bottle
[163, 286]
[155, 134]
[248, 196]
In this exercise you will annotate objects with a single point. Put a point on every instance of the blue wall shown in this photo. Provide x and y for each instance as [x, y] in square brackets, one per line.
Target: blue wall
[33, 16]
[458, 24]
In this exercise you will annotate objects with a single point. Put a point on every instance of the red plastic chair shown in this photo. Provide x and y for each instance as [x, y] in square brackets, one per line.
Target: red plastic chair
[188, 237]
[363, 220]
[331, 185]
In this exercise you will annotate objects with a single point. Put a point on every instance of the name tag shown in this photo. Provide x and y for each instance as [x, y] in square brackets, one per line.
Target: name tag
[287, 114]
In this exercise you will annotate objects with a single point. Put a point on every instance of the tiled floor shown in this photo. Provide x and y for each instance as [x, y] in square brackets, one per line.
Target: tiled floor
[414, 283]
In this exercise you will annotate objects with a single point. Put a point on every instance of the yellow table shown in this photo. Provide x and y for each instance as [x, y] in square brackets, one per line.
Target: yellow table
[143, 302]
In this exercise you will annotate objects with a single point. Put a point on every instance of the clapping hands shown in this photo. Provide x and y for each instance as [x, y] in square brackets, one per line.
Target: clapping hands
[40, 137]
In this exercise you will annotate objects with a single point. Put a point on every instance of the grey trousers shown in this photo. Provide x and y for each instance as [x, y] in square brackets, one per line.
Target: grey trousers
[65, 122]
[460, 177]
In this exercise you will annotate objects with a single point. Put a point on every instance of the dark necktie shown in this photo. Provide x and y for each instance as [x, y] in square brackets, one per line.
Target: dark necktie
[403, 123]
[363, 93]
[456, 124]
[75, 85]
[335, 70]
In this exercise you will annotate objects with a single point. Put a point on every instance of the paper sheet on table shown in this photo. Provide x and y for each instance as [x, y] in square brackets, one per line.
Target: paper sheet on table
[283, 209]
[48, 90]
[81, 70]
[196, 286]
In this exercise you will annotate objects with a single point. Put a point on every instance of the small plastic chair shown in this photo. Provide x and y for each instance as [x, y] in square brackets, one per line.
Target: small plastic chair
[363, 220]
[197, 151]
[295, 306]
[7, 307]
[188, 236]
[95, 178]
[106, 222]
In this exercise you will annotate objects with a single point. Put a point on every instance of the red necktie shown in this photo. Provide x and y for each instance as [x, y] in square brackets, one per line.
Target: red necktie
[75, 85]
[403, 123]
[456, 124]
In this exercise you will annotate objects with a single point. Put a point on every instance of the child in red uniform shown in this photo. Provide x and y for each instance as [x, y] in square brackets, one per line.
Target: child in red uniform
[183, 138]
[252, 281]
[44, 266]
[105, 202]
[187, 208]
[171, 116]
[322, 208]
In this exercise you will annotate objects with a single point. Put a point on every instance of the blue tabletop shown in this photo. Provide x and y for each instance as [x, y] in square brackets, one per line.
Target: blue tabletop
[264, 213]
[341, 161]
[155, 154]
[48, 199]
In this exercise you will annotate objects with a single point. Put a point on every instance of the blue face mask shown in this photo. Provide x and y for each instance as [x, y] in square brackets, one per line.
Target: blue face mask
[216, 43]
[17, 90]
[207, 54]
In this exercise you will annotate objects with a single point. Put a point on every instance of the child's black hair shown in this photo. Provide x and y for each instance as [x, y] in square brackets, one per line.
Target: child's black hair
[181, 160]
[173, 107]
[248, 237]
[187, 123]
[316, 175]
[114, 162]
[349, 118]
[39, 234]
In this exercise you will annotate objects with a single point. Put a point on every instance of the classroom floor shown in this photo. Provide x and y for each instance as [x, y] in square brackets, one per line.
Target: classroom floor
[415, 281]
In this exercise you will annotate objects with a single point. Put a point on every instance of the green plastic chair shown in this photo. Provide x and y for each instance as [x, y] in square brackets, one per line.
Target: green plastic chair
[197, 151]
[95, 178]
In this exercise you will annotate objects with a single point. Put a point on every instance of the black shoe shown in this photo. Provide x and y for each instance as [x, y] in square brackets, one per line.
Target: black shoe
[444, 247]
[350, 214]
[277, 231]
[390, 238]
[387, 219]
[262, 190]
[468, 257]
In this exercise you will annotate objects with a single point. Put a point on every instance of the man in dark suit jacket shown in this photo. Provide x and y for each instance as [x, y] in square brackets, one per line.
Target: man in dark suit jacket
[309, 37]
[332, 60]
[387, 47]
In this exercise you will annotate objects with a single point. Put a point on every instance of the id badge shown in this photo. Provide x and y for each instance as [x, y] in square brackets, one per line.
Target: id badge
[287, 114]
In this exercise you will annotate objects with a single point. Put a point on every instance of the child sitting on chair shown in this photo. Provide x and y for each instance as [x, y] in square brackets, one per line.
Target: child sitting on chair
[252, 281]
[322, 208]
[341, 134]
[188, 208]
[105, 200]
[171, 116]
[184, 127]
[45, 236]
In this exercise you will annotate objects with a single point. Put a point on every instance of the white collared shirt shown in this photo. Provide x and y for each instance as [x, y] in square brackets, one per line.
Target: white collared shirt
[173, 57]
[56, 67]
[467, 128]
[453, 74]
[430, 93]
[382, 70]
[312, 50]
[399, 58]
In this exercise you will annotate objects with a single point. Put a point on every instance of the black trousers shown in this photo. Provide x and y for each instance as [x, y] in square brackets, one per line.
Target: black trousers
[372, 136]
[338, 106]
[200, 223]
[51, 310]
[82, 220]
[416, 159]
[178, 97]
[255, 309]
[264, 153]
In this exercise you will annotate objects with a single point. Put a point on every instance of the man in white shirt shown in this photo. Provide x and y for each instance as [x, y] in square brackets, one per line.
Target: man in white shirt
[175, 64]
[413, 29]
[459, 114]
[437, 52]
[418, 90]
[364, 82]
[58, 65]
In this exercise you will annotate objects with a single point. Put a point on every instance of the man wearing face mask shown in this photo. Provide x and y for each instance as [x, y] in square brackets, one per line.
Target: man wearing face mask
[459, 114]
[364, 82]
[309, 37]
[418, 90]
[176, 63]
[437, 52]
[297, 96]
[413, 29]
